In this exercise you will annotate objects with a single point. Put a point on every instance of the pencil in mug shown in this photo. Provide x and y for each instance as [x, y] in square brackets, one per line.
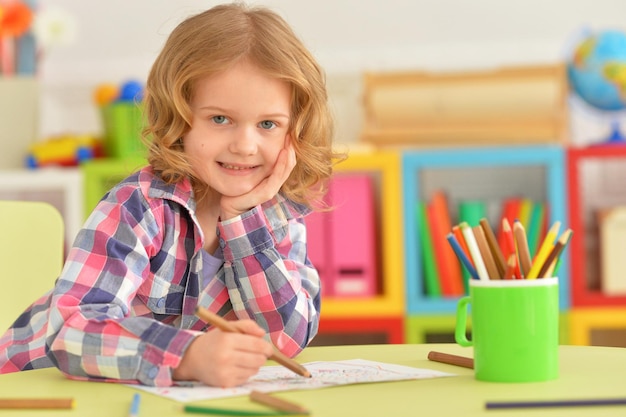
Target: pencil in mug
[522, 247]
[483, 246]
[494, 248]
[226, 326]
[509, 245]
[554, 254]
[472, 246]
[544, 251]
[458, 250]
[510, 267]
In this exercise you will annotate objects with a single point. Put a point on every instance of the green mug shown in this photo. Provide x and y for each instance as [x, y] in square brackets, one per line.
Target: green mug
[514, 329]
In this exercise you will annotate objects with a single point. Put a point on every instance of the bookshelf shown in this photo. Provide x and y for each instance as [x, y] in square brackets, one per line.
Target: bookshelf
[491, 174]
[388, 302]
[592, 186]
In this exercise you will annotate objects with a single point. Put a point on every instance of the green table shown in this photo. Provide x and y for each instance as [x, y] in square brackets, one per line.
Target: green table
[585, 372]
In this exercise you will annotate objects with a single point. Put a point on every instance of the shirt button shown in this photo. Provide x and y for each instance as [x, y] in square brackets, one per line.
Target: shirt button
[222, 243]
[152, 373]
[161, 303]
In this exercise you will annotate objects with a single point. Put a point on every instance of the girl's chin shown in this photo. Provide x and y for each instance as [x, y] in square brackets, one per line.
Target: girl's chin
[233, 191]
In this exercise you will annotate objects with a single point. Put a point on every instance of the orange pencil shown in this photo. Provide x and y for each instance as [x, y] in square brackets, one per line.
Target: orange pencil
[37, 403]
[509, 245]
[510, 267]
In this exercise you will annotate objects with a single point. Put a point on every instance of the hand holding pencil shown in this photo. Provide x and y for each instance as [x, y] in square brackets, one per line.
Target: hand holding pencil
[227, 326]
[225, 359]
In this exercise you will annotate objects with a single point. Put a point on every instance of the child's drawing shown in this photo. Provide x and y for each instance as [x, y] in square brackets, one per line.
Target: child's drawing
[324, 374]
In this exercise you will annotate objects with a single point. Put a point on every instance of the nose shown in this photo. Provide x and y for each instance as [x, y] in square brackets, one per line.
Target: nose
[244, 141]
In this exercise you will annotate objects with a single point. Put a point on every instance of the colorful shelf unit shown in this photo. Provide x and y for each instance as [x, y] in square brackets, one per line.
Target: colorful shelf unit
[601, 326]
[102, 174]
[490, 174]
[592, 183]
[348, 266]
[430, 328]
[384, 167]
[440, 328]
[359, 331]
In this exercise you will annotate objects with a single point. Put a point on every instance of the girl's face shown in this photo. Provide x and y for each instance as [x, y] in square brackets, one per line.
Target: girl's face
[239, 126]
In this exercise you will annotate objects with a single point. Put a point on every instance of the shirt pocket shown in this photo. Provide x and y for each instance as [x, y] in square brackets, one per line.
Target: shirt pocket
[163, 297]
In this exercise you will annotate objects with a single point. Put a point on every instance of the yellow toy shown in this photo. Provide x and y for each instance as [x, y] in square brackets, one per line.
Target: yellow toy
[65, 150]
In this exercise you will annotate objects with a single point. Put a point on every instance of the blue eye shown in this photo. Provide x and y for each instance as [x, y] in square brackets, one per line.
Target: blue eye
[267, 124]
[220, 120]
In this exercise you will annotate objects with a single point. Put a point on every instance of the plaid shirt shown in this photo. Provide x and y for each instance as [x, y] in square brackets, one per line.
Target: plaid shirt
[123, 306]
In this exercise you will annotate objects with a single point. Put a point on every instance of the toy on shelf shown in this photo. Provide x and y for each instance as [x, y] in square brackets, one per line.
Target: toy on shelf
[64, 150]
[121, 111]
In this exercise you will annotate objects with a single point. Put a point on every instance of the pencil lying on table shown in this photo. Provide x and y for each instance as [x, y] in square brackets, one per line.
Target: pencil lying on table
[226, 326]
[36, 403]
[278, 403]
[451, 359]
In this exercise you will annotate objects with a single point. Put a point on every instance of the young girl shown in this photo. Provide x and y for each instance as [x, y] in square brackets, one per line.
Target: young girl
[239, 135]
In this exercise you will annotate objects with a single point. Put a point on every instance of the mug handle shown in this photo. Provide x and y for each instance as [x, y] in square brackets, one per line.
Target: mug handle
[461, 323]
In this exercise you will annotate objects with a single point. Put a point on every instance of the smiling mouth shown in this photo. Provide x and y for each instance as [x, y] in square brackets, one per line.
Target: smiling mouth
[237, 167]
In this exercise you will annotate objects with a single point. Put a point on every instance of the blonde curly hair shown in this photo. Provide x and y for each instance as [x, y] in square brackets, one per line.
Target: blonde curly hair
[211, 42]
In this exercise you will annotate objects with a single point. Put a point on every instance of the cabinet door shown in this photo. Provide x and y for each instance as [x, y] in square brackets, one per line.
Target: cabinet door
[319, 247]
[353, 235]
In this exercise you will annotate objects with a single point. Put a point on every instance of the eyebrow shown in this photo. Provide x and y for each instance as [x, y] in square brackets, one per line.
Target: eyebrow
[222, 110]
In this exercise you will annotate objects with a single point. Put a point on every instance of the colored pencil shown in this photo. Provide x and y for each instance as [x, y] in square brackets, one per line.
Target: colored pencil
[509, 244]
[199, 409]
[510, 267]
[522, 247]
[456, 246]
[456, 231]
[134, 406]
[494, 248]
[226, 326]
[555, 253]
[37, 403]
[555, 403]
[544, 250]
[451, 359]
[470, 240]
[278, 403]
[485, 252]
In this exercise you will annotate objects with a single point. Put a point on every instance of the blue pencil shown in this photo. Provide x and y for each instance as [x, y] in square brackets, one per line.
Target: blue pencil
[556, 403]
[134, 406]
[456, 247]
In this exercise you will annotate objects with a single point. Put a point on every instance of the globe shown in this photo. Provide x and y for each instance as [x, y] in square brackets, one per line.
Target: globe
[597, 73]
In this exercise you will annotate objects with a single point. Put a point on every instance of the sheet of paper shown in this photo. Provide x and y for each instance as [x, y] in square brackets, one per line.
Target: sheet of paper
[278, 378]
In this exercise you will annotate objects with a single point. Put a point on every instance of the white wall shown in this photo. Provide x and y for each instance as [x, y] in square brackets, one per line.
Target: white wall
[118, 39]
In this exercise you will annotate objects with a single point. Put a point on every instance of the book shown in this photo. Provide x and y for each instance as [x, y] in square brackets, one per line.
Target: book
[534, 231]
[431, 274]
[448, 265]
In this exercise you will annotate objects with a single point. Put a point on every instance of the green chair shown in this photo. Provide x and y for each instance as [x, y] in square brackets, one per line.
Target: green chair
[31, 254]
